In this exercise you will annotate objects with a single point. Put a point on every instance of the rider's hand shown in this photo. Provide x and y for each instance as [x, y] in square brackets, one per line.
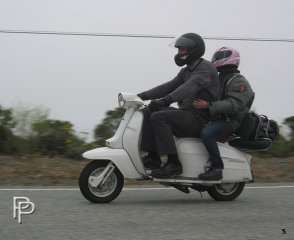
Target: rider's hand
[201, 104]
[143, 96]
[157, 104]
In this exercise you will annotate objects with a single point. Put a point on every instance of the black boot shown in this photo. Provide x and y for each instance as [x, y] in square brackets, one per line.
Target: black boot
[212, 174]
[151, 161]
[172, 168]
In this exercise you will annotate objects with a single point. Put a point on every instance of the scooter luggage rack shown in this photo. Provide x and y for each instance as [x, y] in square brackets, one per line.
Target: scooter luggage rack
[189, 180]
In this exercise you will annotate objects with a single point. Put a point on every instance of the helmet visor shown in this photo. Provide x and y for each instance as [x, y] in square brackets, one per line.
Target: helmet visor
[220, 55]
[184, 42]
[173, 42]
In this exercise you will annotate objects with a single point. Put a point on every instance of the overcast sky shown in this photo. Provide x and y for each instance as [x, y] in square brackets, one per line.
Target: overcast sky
[78, 77]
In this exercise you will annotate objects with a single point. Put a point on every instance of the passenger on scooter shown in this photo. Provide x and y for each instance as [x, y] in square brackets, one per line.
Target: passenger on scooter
[236, 100]
[198, 80]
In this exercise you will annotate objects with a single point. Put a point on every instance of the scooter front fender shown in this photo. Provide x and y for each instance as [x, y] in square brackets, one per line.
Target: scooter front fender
[118, 156]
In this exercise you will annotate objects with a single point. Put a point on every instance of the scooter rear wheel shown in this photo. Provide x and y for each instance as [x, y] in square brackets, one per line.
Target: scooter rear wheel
[226, 191]
[107, 190]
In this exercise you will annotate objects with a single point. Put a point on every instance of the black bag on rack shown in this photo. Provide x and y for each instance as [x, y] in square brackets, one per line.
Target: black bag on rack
[256, 132]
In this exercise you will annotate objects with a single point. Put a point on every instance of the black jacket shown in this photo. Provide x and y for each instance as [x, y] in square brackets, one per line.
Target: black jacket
[200, 82]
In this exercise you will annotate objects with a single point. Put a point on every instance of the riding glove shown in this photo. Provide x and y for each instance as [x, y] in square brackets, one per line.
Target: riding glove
[157, 104]
[143, 96]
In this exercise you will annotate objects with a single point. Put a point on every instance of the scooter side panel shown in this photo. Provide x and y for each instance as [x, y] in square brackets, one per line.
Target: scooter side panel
[194, 156]
[118, 156]
[236, 164]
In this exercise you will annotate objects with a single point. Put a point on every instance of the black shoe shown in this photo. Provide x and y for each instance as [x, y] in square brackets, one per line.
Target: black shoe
[168, 170]
[212, 174]
[151, 163]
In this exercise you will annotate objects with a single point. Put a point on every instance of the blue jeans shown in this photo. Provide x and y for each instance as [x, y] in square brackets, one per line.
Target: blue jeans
[209, 135]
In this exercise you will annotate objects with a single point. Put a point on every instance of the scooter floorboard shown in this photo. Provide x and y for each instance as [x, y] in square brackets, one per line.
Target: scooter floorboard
[180, 179]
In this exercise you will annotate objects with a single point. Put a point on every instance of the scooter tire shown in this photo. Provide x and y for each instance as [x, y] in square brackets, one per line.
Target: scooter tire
[100, 195]
[226, 192]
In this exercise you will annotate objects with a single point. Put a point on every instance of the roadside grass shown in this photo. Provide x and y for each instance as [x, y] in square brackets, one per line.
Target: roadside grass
[59, 171]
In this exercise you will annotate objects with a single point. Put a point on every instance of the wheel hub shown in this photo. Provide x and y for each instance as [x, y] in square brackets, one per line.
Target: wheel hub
[226, 188]
[105, 188]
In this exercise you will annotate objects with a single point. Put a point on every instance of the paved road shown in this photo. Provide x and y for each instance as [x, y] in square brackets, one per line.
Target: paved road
[261, 212]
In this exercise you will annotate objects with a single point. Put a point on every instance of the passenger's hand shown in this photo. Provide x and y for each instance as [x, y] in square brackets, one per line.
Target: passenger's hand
[200, 104]
[156, 105]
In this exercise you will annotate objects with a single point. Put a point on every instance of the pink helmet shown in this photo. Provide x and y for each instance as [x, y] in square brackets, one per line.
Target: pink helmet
[226, 56]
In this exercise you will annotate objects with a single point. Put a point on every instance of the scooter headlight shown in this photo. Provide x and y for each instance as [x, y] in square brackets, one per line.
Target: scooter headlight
[121, 100]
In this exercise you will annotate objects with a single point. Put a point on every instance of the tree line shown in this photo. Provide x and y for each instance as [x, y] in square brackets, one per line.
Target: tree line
[30, 131]
[284, 146]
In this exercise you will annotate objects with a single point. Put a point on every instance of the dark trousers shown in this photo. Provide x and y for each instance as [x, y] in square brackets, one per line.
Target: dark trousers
[209, 135]
[160, 127]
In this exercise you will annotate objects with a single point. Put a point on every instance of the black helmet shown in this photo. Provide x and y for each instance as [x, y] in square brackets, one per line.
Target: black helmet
[195, 46]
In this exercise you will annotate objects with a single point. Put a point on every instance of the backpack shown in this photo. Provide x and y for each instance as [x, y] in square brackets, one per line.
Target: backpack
[256, 132]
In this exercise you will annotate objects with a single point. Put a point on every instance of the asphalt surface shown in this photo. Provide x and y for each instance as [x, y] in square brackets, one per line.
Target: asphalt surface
[262, 211]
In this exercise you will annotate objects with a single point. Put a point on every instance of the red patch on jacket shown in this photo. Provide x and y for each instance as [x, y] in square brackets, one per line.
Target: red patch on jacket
[242, 88]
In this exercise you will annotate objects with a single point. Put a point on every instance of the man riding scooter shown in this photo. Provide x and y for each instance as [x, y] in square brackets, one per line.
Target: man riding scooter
[236, 100]
[198, 80]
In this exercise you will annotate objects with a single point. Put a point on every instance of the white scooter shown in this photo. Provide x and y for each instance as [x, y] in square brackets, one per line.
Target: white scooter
[102, 179]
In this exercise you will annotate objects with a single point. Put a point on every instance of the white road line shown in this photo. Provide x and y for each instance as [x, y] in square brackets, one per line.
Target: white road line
[39, 189]
[272, 187]
[125, 189]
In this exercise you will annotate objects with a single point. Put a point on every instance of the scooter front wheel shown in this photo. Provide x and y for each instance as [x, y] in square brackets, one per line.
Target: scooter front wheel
[109, 181]
[226, 191]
